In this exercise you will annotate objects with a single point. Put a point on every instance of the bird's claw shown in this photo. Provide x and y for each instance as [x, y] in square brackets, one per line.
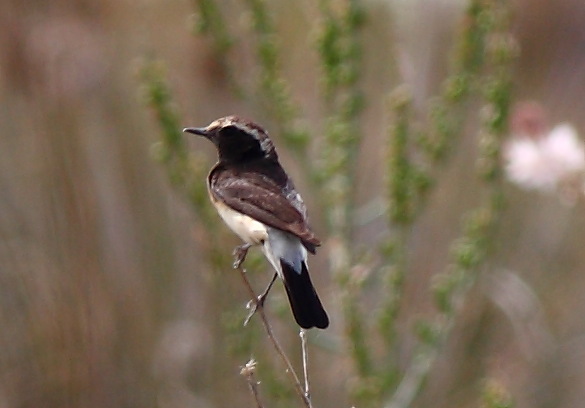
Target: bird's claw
[240, 253]
[253, 306]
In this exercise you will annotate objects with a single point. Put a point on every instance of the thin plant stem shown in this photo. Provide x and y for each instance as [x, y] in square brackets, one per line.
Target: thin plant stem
[248, 371]
[260, 312]
[303, 336]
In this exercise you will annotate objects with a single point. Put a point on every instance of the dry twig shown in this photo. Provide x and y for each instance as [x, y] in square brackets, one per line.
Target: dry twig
[248, 371]
[240, 255]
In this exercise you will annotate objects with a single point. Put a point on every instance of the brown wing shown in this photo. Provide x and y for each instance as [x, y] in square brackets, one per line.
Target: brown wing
[262, 200]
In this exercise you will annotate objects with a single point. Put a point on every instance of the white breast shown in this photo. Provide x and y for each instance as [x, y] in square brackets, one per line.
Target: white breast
[247, 228]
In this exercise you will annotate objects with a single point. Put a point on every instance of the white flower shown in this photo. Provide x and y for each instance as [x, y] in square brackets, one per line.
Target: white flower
[543, 162]
[537, 158]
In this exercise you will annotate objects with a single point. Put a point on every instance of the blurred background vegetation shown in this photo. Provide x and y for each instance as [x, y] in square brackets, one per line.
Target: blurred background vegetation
[445, 285]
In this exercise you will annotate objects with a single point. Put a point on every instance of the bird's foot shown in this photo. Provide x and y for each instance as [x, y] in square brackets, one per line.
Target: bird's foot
[253, 306]
[240, 253]
[258, 303]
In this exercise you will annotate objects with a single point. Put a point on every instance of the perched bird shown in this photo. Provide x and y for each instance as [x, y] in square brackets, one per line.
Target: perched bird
[258, 201]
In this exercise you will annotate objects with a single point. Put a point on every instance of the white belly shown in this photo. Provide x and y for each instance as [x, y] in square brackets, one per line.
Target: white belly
[247, 228]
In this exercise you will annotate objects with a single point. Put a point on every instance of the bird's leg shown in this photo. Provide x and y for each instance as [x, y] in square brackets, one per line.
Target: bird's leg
[240, 253]
[254, 305]
[262, 297]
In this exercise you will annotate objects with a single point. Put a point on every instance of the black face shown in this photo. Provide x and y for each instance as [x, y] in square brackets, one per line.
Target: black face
[236, 145]
[237, 140]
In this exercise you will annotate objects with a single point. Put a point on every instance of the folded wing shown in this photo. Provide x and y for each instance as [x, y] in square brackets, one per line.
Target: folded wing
[263, 200]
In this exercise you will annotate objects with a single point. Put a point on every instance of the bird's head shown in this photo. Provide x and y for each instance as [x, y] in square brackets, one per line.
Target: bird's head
[237, 139]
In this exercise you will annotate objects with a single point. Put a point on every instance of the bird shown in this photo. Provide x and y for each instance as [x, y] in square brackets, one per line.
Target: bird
[258, 201]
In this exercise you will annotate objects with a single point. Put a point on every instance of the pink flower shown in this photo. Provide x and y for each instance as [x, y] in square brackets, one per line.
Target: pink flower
[541, 159]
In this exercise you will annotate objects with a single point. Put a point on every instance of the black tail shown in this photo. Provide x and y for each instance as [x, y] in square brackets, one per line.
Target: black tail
[304, 302]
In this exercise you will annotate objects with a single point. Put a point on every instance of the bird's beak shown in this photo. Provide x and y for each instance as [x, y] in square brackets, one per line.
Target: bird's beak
[197, 131]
